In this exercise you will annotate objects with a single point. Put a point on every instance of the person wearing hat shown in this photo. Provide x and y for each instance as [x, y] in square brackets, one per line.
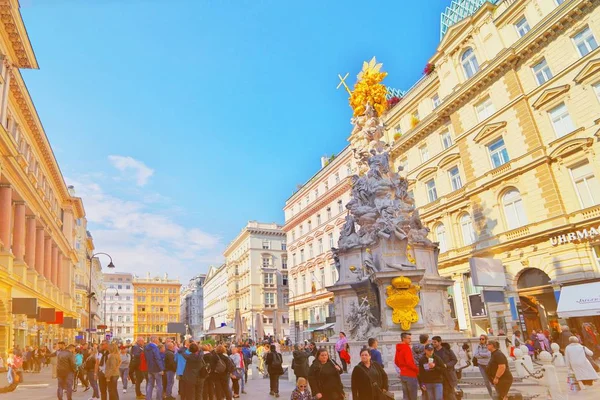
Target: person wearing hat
[431, 374]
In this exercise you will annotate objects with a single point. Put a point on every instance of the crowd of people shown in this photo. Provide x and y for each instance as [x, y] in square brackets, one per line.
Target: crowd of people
[220, 372]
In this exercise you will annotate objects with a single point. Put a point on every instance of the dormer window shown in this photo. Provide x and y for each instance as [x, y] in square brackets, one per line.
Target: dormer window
[469, 63]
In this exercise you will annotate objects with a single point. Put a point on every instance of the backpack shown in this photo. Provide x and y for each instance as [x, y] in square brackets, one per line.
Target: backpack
[203, 369]
[220, 366]
[276, 362]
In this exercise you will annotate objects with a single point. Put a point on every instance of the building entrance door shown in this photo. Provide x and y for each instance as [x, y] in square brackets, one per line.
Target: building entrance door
[537, 300]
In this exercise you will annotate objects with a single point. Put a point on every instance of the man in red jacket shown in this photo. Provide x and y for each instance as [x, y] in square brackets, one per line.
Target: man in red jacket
[405, 361]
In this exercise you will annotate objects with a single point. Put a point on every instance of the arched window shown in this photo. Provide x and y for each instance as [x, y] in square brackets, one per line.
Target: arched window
[513, 209]
[440, 237]
[466, 227]
[469, 63]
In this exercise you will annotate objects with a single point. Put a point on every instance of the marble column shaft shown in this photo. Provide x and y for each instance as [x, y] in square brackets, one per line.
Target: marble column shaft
[48, 257]
[5, 215]
[19, 231]
[30, 239]
[39, 250]
[54, 266]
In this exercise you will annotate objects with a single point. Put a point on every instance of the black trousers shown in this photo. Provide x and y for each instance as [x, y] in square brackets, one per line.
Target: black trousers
[113, 390]
[235, 386]
[222, 387]
[139, 377]
[209, 388]
[274, 383]
[344, 365]
[103, 385]
[192, 390]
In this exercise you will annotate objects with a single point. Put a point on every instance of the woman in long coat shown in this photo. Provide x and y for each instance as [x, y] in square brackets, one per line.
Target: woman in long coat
[300, 363]
[368, 378]
[324, 377]
[576, 361]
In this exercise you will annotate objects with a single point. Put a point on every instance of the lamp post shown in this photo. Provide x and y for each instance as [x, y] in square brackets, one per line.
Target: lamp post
[251, 322]
[112, 325]
[92, 294]
[293, 306]
[104, 299]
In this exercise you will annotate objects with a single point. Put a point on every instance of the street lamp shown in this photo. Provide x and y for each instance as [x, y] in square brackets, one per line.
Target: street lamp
[104, 299]
[92, 294]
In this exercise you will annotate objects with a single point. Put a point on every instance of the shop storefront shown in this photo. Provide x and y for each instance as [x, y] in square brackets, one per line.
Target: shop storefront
[580, 306]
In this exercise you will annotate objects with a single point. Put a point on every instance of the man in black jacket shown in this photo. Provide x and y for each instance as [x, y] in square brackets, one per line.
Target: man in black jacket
[170, 369]
[444, 352]
[65, 369]
[102, 383]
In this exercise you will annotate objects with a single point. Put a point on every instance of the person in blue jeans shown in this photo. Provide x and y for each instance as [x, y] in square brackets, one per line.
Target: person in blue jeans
[409, 371]
[170, 369]
[156, 368]
[431, 374]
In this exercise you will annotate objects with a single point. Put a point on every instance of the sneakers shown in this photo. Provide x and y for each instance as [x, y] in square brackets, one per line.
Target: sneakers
[276, 394]
[271, 393]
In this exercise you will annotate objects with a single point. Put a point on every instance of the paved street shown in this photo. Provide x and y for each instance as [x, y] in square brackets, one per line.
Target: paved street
[43, 387]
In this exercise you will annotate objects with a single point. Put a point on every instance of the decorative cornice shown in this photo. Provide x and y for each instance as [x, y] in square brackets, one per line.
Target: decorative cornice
[589, 70]
[550, 94]
[447, 160]
[570, 147]
[488, 130]
[425, 173]
[12, 22]
[329, 228]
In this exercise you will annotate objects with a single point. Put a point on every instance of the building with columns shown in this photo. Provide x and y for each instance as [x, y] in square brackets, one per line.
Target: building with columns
[118, 304]
[500, 145]
[314, 216]
[257, 278]
[37, 212]
[156, 303]
[215, 296]
[192, 306]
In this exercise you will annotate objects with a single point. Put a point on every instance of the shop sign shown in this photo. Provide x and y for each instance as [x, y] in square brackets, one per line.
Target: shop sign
[585, 234]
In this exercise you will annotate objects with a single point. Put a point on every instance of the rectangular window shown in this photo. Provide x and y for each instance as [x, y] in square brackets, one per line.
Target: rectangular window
[348, 169]
[266, 262]
[283, 246]
[435, 101]
[268, 279]
[320, 244]
[446, 139]
[331, 244]
[310, 251]
[328, 213]
[269, 299]
[542, 72]
[318, 219]
[337, 178]
[431, 191]
[284, 262]
[522, 27]
[586, 184]
[597, 90]
[340, 206]
[266, 245]
[485, 109]
[498, 153]
[455, 178]
[294, 260]
[561, 120]
[301, 255]
[424, 153]
[585, 41]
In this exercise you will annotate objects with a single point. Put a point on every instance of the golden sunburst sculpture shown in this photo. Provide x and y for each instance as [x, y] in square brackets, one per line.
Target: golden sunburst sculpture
[369, 89]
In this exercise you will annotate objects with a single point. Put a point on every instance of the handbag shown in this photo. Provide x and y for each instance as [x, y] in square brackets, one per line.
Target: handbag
[475, 362]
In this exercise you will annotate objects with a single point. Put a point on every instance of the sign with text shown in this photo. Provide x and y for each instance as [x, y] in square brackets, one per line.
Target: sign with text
[576, 236]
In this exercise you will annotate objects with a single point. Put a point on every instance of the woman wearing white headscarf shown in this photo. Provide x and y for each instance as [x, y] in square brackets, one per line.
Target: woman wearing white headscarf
[577, 362]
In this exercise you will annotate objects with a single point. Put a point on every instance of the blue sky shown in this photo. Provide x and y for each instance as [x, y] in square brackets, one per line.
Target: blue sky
[178, 121]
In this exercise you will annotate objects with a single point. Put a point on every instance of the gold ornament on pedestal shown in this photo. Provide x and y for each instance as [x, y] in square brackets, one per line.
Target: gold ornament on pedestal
[402, 297]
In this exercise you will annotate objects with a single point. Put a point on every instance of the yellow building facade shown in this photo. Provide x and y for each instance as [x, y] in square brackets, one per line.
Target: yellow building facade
[500, 144]
[156, 303]
[37, 212]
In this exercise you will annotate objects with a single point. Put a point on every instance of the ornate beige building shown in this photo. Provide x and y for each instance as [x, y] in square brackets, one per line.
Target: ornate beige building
[313, 219]
[257, 278]
[500, 144]
[156, 303]
[37, 212]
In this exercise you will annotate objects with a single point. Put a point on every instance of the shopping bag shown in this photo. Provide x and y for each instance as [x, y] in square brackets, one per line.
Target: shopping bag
[573, 383]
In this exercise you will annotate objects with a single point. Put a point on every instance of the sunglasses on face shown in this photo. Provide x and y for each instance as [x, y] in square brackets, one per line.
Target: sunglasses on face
[301, 385]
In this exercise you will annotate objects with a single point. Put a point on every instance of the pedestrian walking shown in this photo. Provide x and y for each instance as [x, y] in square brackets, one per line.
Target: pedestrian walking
[238, 362]
[194, 373]
[136, 367]
[418, 349]
[443, 351]
[124, 367]
[369, 380]
[112, 371]
[221, 372]
[274, 363]
[340, 345]
[431, 374]
[80, 372]
[102, 357]
[209, 391]
[405, 361]
[324, 377]
[498, 371]
[156, 368]
[300, 362]
[91, 370]
[65, 370]
[170, 370]
[577, 362]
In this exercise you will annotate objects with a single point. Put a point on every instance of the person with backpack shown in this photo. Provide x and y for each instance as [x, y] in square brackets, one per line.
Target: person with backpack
[238, 362]
[274, 363]
[194, 373]
[209, 384]
[221, 369]
[300, 362]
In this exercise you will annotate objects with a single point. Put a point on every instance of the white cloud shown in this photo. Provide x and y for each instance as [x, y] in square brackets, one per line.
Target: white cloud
[141, 171]
[142, 240]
